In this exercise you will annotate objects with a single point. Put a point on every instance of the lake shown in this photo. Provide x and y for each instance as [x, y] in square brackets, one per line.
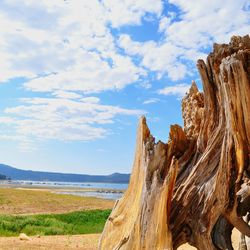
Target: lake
[112, 191]
[99, 194]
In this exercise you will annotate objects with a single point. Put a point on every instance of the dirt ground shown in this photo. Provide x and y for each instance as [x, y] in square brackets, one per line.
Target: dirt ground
[38, 201]
[81, 242]
[65, 242]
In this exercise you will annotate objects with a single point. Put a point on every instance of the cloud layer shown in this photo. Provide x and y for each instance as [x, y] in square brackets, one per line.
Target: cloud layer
[188, 33]
[70, 52]
[60, 119]
[178, 90]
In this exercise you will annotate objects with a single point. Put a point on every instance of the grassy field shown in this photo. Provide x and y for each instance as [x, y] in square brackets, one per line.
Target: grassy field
[21, 201]
[81, 222]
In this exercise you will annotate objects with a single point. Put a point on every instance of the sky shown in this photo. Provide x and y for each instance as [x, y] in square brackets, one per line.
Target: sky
[75, 76]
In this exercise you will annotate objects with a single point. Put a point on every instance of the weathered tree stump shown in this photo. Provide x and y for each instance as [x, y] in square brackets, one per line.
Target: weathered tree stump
[195, 188]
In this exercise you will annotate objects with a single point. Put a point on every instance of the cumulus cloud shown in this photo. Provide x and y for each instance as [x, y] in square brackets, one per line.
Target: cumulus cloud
[188, 33]
[90, 74]
[202, 23]
[71, 37]
[69, 43]
[151, 100]
[178, 90]
[160, 58]
[60, 119]
[146, 85]
[66, 49]
[130, 11]
[71, 51]
[66, 94]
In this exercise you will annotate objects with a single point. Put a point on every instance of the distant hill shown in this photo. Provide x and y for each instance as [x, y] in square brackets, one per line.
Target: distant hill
[19, 174]
[3, 177]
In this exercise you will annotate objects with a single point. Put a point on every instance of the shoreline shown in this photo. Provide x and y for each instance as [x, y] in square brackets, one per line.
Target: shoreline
[61, 189]
[78, 187]
[106, 194]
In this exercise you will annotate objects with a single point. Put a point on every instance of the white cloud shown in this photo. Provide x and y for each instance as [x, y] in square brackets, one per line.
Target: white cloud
[60, 119]
[90, 99]
[178, 90]
[66, 94]
[201, 23]
[151, 100]
[90, 74]
[188, 33]
[68, 37]
[67, 49]
[145, 85]
[130, 11]
[44, 41]
[161, 58]
[164, 23]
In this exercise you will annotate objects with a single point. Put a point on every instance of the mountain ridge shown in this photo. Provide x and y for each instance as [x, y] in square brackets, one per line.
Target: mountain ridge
[20, 174]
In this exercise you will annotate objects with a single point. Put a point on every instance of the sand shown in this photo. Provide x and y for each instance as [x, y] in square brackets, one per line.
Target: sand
[81, 242]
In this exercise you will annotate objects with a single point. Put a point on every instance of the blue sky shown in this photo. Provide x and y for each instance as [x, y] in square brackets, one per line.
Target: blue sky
[76, 75]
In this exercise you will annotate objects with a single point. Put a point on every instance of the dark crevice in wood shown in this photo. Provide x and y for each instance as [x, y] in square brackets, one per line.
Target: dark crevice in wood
[221, 234]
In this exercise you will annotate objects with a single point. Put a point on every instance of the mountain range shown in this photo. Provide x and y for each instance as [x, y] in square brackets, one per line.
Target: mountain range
[19, 174]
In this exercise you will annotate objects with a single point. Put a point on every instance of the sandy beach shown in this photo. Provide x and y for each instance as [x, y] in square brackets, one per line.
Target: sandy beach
[70, 242]
[81, 242]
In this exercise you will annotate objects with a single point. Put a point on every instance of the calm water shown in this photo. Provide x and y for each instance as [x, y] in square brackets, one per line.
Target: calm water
[54, 184]
[103, 195]
[111, 191]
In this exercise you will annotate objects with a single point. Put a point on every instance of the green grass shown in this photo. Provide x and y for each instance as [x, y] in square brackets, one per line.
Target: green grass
[82, 222]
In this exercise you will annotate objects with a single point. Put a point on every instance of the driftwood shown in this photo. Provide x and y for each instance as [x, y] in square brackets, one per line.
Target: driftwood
[195, 188]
